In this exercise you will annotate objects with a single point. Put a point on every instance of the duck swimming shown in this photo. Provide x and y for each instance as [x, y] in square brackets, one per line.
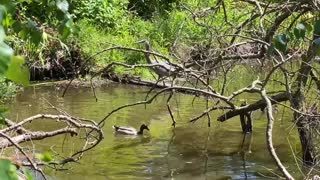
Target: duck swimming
[130, 130]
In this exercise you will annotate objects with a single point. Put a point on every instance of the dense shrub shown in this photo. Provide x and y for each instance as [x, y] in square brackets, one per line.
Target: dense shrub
[146, 9]
[103, 13]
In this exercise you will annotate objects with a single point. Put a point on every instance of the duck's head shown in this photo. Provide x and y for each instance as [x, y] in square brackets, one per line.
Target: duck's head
[143, 127]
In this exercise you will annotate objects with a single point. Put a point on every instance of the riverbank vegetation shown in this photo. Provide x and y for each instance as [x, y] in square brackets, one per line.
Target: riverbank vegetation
[209, 44]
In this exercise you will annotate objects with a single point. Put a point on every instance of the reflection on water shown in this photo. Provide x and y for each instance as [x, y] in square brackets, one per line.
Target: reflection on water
[190, 151]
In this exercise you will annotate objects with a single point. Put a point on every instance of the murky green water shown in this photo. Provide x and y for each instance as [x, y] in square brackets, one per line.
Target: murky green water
[190, 151]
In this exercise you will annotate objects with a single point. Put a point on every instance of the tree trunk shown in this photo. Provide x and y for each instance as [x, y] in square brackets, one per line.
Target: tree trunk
[298, 103]
[308, 147]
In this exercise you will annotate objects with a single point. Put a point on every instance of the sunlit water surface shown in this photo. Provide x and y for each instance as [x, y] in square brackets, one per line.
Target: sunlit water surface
[189, 151]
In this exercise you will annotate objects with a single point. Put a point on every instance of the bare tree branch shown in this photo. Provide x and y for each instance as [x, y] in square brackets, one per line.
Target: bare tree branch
[269, 136]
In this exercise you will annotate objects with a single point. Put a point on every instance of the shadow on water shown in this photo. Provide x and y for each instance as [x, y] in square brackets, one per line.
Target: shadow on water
[190, 151]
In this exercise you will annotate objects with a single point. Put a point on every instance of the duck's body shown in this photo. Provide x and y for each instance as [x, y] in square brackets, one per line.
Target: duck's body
[129, 130]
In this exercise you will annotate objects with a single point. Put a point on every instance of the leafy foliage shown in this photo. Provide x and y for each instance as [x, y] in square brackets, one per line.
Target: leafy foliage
[147, 8]
[17, 71]
[280, 42]
[317, 27]
[21, 18]
[8, 171]
[45, 157]
[99, 12]
[53, 13]
[300, 31]
[5, 57]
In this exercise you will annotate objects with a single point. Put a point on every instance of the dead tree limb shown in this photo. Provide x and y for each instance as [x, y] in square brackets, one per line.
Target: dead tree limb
[33, 164]
[73, 126]
[261, 104]
[269, 136]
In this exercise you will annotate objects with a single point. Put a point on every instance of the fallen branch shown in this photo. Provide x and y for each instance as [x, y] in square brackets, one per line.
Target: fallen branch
[261, 104]
[33, 164]
[17, 133]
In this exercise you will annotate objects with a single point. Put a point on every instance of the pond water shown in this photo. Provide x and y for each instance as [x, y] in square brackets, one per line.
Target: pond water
[189, 151]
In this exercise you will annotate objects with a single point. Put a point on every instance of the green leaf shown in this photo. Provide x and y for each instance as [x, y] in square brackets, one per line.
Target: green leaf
[65, 32]
[75, 29]
[317, 27]
[5, 57]
[16, 26]
[301, 26]
[18, 71]
[291, 35]
[317, 43]
[2, 12]
[2, 34]
[60, 16]
[28, 1]
[280, 42]
[302, 34]
[8, 171]
[296, 33]
[300, 31]
[68, 28]
[36, 36]
[28, 174]
[29, 31]
[270, 50]
[8, 5]
[8, 21]
[45, 157]
[63, 5]
[308, 27]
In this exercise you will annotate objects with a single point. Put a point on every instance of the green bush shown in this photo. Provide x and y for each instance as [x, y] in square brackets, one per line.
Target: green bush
[103, 13]
[92, 39]
[146, 9]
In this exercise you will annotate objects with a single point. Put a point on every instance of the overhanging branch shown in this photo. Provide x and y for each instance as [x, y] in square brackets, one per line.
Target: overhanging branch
[261, 104]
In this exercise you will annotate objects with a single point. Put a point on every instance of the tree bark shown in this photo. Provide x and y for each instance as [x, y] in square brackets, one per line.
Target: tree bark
[298, 103]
